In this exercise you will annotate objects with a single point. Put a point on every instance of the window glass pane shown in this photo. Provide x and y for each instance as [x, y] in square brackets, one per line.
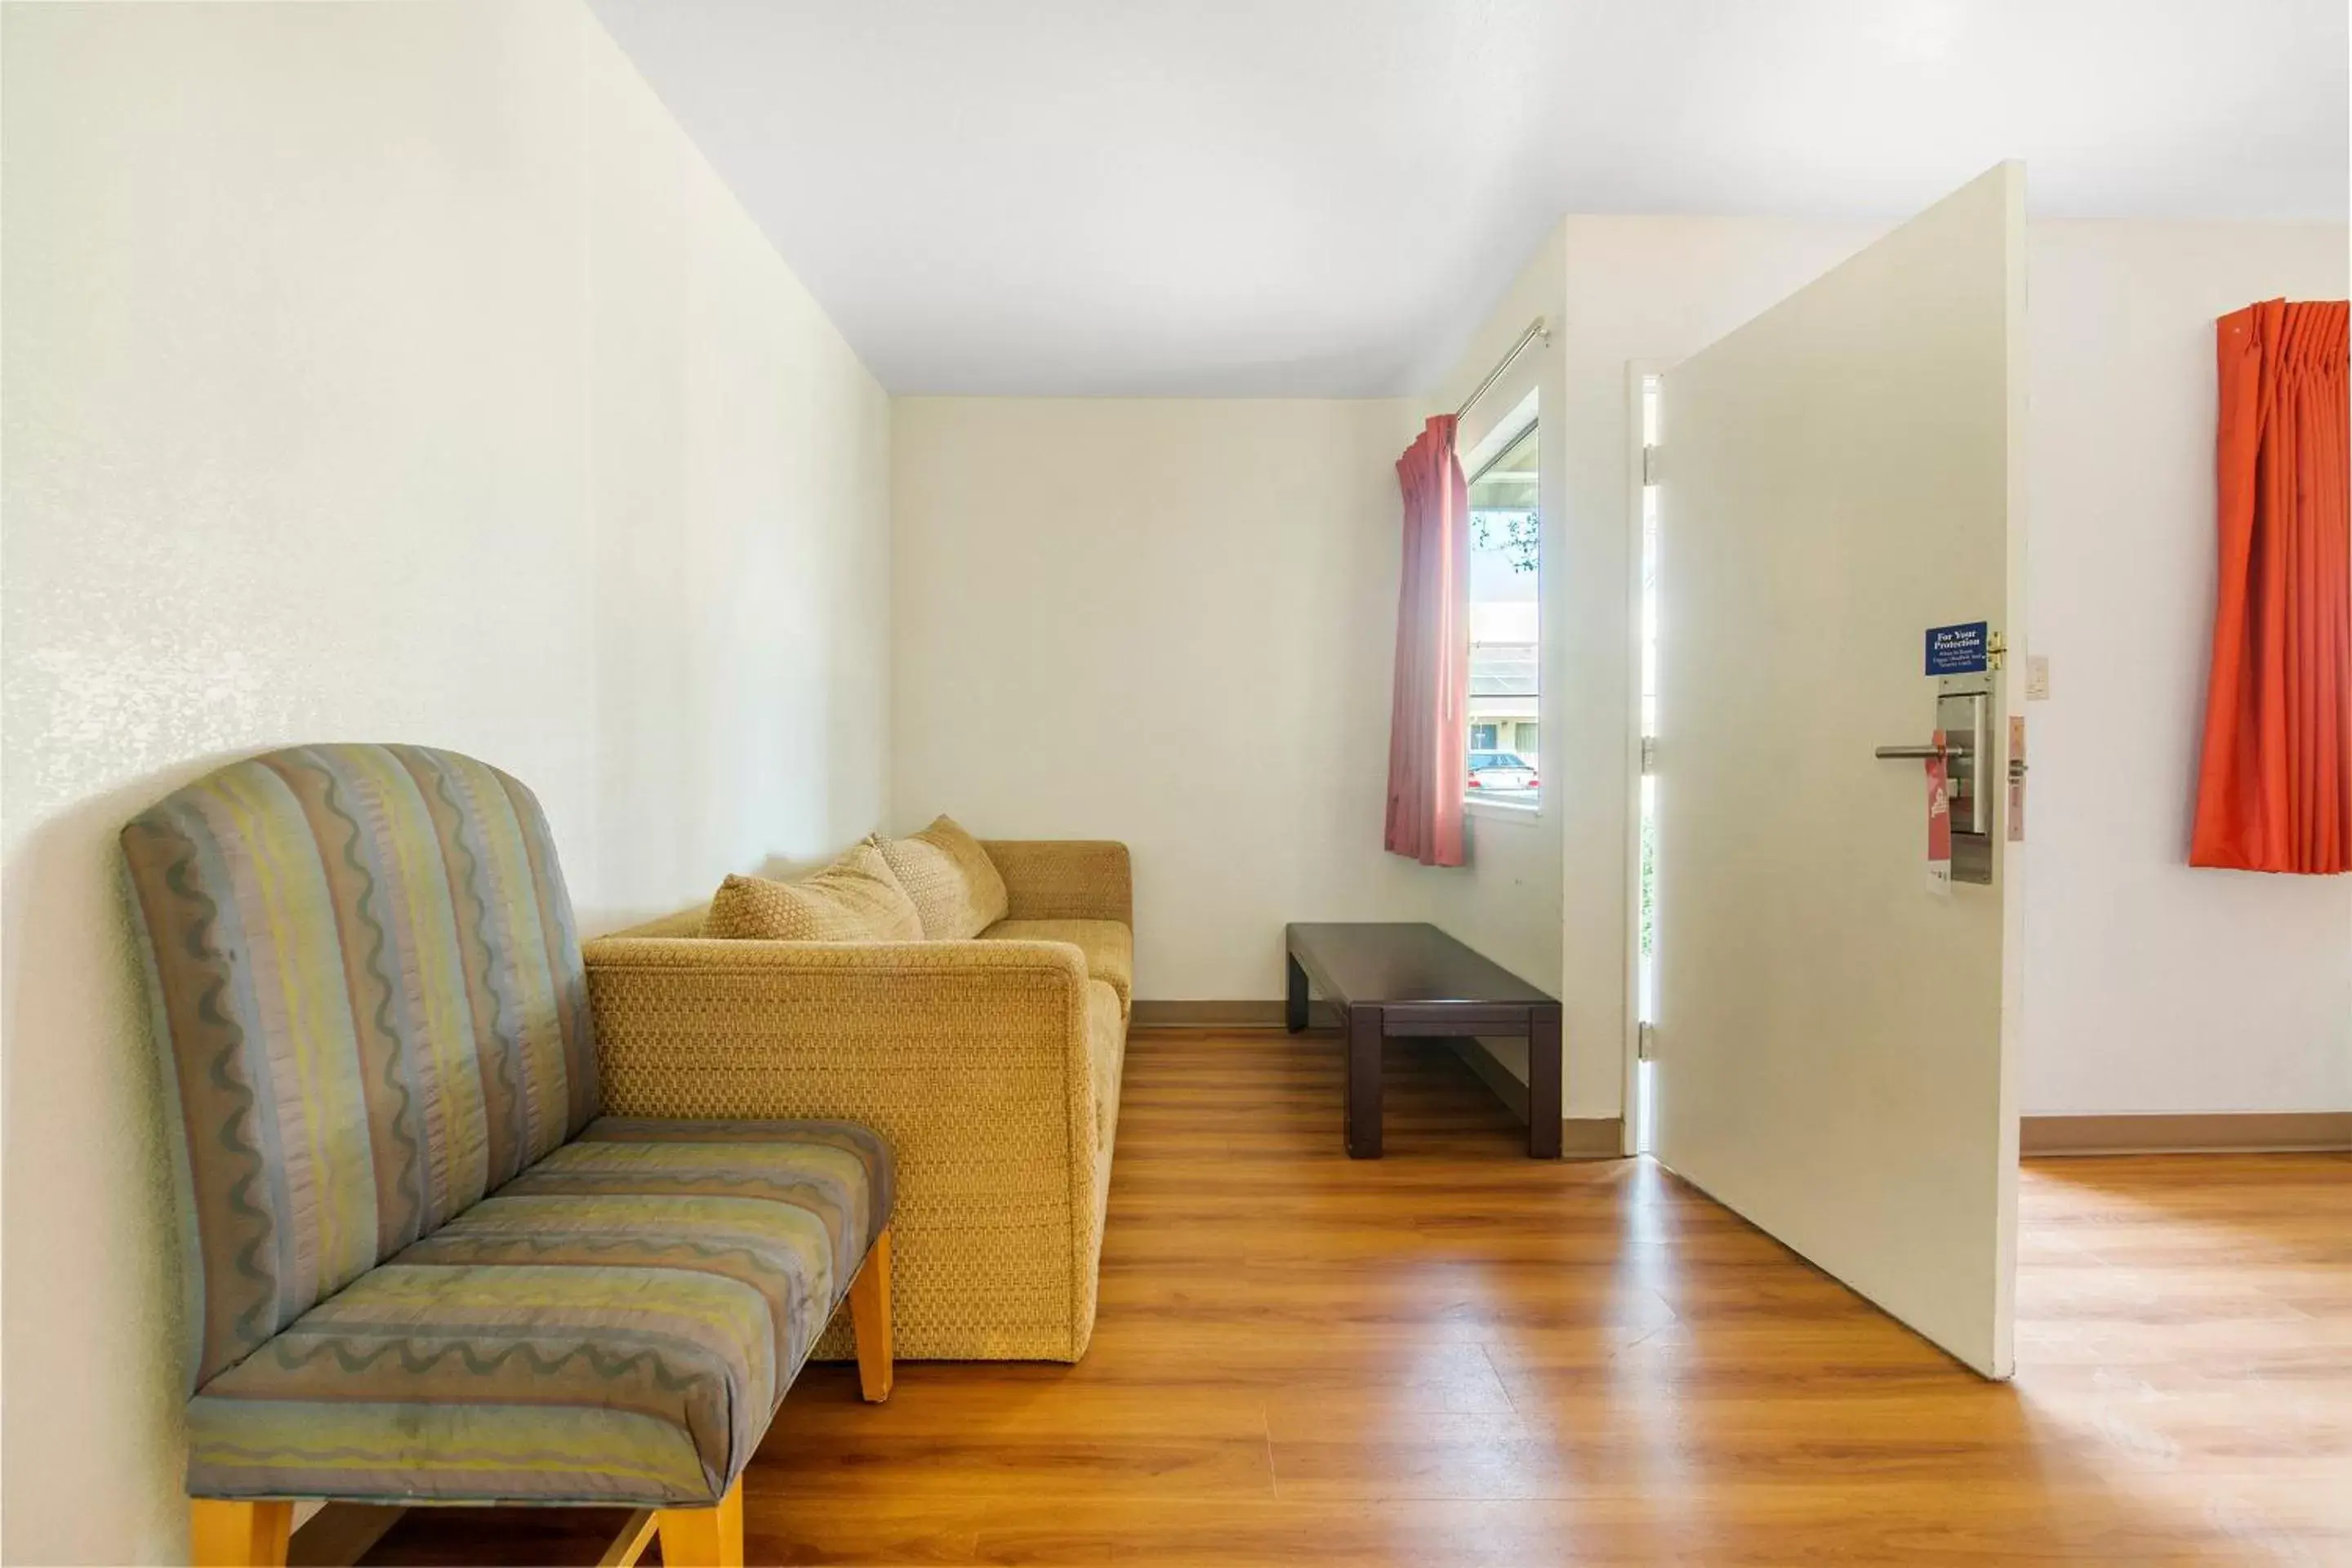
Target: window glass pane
[1506, 548]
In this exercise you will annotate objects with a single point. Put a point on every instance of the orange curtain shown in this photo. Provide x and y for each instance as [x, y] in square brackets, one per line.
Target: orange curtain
[2274, 790]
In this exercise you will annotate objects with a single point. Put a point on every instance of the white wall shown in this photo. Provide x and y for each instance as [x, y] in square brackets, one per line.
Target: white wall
[1169, 622]
[2151, 986]
[738, 474]
[388, 373]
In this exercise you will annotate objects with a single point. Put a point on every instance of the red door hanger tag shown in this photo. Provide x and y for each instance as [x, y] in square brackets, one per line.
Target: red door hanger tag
[1939, 822]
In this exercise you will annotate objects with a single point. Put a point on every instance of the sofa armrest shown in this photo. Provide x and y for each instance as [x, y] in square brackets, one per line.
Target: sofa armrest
[972, 1059]
[1064, 879]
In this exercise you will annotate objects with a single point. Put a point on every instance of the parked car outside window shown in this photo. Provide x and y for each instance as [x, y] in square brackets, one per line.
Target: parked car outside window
[1501, 772]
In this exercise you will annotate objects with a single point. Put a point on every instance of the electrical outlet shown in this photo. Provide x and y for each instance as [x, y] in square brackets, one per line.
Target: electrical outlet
[2037, 678]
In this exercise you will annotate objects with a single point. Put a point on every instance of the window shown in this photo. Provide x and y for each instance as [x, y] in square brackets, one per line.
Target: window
[1506, 548]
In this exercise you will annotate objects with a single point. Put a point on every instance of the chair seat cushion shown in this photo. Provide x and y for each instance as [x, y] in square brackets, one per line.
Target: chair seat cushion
[1109, 945]
[615, 1325]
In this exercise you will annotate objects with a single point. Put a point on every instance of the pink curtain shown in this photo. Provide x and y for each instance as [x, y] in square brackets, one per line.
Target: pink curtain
[1428, 755]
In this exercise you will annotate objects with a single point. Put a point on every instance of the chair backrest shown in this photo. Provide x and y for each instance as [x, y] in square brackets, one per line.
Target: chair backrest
[367, 992]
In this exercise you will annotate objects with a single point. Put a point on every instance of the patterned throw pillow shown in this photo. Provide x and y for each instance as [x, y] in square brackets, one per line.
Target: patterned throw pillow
[856, 898]
[956, 887]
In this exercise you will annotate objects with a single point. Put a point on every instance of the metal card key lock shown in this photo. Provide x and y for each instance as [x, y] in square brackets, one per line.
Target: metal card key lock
[1964, 713]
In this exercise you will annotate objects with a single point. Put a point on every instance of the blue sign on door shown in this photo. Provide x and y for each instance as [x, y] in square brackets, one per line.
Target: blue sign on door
[1957, 650]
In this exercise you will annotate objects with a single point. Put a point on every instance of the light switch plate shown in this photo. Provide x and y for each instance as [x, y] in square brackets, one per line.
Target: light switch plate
[2037, 678]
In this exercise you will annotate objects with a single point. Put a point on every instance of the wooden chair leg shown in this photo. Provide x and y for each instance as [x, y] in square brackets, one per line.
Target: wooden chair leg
[704, 1537]
[869, 1315]
[239, 1534]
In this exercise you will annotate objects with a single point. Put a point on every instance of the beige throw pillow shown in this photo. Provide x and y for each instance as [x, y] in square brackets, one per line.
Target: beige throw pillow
[955, 885]
[856, 898]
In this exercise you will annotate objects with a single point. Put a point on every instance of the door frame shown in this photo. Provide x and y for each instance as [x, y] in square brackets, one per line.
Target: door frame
[1635, 1109]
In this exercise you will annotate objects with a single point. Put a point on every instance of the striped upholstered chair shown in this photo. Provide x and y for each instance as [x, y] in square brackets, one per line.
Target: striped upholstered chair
[420, 1267]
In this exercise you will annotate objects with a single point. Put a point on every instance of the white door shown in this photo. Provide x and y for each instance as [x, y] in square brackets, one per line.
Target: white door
[1834, 1037]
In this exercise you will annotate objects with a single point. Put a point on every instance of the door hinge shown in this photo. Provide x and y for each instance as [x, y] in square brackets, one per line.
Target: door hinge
[1996, 651]
[1649, 755]
[1649, 463]
[1646, 1042]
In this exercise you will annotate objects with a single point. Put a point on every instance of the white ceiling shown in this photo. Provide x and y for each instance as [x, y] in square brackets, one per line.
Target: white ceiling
[1320, 197]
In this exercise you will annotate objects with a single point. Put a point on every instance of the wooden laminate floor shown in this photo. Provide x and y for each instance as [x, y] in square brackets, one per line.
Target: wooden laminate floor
[1457, 1355]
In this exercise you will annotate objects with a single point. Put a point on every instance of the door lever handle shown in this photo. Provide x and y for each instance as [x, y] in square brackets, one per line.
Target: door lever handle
[1907, 752]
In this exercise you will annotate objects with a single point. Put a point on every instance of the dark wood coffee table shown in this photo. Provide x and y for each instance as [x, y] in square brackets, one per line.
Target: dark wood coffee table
[1391, 980]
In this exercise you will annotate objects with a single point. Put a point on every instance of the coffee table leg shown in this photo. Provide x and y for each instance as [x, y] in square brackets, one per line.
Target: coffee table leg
[1294, 1015]
[1363, 1083]
[1543, 1083]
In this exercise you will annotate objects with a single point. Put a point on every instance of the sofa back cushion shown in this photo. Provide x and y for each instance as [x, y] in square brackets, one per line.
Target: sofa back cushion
[955, 885]
[856, 898]
[366, 989]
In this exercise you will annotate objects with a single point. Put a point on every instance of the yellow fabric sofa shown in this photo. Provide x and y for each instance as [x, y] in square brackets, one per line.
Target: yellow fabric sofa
[992, 1065]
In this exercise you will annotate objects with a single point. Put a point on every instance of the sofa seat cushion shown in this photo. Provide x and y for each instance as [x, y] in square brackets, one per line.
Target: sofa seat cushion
[615, 1325]
[1109, 948]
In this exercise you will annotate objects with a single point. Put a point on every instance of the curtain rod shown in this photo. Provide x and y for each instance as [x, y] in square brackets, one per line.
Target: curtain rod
[1538, 327]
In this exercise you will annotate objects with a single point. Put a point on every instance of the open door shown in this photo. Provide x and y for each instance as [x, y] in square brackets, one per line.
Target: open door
[1835, 1026]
